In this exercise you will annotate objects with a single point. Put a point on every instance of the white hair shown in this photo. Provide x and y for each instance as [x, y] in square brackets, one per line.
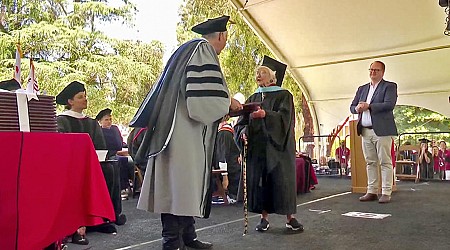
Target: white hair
[272, 73]
[211, 35]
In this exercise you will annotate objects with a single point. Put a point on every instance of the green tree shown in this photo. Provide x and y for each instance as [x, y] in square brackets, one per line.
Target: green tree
[244, 49]
[411, 119]
[62, 38]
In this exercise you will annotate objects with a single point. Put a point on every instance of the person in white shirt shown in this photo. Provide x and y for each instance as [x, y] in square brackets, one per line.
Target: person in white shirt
[374, 103]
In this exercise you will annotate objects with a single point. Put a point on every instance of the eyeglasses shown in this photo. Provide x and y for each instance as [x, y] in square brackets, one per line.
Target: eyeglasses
[374, 70]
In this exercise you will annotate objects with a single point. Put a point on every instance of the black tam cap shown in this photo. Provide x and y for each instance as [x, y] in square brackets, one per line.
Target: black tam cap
[69, 92]
[278, 67]
[102, 113]
[424, 140]
[10, 85]
[218, 24]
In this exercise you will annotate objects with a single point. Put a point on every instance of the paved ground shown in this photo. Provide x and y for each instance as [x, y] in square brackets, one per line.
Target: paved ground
[419, 217]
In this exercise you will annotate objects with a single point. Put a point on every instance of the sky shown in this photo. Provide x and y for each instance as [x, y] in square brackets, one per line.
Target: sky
[155, 20]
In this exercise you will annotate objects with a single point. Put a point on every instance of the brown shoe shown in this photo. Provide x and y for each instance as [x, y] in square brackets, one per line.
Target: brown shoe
[384, 199]
[368, 197]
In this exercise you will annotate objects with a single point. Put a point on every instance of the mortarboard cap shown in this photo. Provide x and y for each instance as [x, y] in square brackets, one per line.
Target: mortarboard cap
[10, 85]
[424, 140]
[102, 113]
[218, 24]
[69, 92]
[278, 67]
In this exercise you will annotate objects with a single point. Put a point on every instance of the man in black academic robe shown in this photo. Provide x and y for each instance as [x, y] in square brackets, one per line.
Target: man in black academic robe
[269, 132]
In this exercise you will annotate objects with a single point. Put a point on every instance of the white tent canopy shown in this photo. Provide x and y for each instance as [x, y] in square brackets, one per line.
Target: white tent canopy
[329, 45]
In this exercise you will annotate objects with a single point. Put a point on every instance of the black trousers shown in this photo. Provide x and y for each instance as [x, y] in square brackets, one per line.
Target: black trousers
[111, 172]
[126, 171]
[175, 229]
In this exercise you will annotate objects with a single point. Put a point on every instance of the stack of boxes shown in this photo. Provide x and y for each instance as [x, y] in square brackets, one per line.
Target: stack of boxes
[41, 113]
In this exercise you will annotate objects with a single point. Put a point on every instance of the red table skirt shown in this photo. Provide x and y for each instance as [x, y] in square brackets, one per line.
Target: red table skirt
[50, 184]
[305, 177]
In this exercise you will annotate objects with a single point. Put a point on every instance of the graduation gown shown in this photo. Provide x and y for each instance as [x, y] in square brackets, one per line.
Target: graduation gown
[270, 153]
[227, 151]
[182, 126]
[68, 123]
[113, 139]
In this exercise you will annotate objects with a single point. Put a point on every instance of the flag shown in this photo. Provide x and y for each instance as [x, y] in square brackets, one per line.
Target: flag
[32, 86]
[17, 69]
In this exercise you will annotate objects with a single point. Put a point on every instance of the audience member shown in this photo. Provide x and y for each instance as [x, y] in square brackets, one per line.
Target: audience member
[343, 157]
[444, 153]
[227, 153]
[438, 164]
[425, 164]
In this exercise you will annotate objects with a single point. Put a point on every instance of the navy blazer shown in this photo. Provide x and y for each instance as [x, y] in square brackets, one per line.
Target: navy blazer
[381, 107]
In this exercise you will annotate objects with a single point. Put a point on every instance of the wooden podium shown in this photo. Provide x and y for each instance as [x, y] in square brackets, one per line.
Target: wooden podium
[359, 172]
[358, 163]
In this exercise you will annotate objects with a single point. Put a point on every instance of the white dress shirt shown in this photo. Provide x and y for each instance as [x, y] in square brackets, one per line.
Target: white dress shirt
[366, 119]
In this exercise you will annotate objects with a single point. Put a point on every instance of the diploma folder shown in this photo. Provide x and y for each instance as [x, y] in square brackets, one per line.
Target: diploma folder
[246, 109]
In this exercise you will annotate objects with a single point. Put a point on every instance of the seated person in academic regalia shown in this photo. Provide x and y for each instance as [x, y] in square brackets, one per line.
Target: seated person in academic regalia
[72, 120]
[111, 133]
[10, 85]
[114, 144]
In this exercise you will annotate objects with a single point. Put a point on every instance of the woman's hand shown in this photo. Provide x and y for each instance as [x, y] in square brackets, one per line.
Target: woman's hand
[259, 114]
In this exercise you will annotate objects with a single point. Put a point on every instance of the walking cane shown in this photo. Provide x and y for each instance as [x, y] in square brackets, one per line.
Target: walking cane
[244, 177]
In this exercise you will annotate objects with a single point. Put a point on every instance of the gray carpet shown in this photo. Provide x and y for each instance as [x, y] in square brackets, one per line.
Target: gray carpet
[419, 216]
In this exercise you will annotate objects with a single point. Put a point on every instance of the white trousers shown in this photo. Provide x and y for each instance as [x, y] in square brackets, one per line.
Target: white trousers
[377, 149]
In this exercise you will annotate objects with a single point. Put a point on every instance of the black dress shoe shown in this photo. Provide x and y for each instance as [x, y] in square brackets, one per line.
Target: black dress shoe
[79, 239]
[121, 220]
[196, 244]
[107, 228]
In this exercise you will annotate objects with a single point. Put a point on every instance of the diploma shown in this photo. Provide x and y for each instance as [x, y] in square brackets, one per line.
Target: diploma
[246, 109]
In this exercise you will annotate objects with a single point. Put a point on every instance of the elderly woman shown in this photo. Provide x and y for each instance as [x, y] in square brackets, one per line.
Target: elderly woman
[444, 154]
[72, 120]
[269, 132]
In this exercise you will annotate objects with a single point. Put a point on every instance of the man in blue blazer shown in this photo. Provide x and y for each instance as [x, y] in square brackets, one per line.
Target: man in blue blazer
[374, 103]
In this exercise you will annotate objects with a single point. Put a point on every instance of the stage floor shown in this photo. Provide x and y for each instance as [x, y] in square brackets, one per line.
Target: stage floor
[417, 218]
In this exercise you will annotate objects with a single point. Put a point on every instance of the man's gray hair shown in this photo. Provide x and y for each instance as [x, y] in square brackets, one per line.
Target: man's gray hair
[211, 35]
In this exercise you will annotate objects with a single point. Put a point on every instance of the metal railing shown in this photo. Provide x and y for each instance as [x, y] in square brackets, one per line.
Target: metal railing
[318, 146]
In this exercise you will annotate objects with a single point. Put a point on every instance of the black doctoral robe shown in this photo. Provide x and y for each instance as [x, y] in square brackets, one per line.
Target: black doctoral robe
[69, 124]
[271, 153]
